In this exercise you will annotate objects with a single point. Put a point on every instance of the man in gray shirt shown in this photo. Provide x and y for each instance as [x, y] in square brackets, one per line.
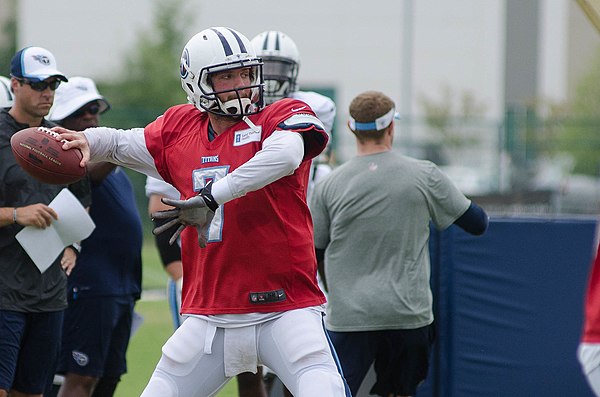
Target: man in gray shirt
[31, 302]
[371, 221]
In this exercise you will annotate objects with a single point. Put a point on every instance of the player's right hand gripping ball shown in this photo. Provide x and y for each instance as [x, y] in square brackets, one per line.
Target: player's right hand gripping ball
[38, 152]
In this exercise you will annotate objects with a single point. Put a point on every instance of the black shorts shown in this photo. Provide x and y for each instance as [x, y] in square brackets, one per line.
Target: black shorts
[400, 357]
[29, 346]
[96, 335]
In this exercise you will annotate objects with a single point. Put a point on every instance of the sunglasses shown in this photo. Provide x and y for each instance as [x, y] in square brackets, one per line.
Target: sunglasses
[92, 108]
[41, 85]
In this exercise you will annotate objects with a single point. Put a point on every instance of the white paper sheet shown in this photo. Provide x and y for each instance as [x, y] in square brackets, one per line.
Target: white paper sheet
[74, 224]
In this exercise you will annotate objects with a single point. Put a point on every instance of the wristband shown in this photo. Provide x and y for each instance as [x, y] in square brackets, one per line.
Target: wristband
[76, 248]
[209, 200]
[14, 215]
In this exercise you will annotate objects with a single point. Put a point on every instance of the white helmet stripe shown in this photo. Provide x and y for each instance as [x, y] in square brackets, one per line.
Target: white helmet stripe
[225, 43]
[275, 46]
[265, 42]
[239, 41]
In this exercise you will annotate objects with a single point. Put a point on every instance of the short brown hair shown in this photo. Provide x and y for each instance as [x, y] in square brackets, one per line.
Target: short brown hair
[368, 107]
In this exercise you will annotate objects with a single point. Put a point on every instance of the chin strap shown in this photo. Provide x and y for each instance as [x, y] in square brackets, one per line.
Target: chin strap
[250, 124]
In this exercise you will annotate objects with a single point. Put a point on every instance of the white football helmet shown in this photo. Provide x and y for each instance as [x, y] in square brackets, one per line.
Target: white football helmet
[215, 50]
[281, 63]
[6, 95]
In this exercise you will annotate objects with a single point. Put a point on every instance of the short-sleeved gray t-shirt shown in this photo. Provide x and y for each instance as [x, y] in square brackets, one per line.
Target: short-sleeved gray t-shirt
[373, 214]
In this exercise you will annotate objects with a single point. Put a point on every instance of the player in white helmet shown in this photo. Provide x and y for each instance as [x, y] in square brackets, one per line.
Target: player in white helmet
[250, 292]
[281, 60]
[6, 95]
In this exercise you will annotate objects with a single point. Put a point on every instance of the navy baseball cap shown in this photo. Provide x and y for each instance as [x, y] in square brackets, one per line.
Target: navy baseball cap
[34, 64]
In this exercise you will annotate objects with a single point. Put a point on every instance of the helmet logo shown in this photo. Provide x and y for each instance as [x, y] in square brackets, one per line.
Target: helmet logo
[185, 63]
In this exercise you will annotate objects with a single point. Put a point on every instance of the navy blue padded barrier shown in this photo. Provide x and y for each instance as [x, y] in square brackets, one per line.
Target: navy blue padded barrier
[509, 309]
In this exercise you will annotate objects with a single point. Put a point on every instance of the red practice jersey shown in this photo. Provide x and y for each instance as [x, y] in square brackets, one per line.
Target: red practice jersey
[591, 328]
[260, 256]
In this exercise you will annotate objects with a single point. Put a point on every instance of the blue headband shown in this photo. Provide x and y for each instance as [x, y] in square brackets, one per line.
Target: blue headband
[379, 124]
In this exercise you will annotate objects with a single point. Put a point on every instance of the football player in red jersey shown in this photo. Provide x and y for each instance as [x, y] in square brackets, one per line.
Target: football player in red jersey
[250, 291]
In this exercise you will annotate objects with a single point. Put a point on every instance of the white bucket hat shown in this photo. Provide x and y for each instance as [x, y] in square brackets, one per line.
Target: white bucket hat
[73, 95]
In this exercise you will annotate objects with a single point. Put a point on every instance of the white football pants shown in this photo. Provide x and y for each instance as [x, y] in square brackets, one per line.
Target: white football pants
[294, 346]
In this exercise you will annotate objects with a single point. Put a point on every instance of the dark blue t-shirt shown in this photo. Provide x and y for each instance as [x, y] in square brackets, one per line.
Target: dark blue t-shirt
[110, 263]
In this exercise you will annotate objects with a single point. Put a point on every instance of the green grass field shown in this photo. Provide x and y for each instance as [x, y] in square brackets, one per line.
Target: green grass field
[145, 346]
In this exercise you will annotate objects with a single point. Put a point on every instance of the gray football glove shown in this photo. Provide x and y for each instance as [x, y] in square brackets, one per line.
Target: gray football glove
[197, 211]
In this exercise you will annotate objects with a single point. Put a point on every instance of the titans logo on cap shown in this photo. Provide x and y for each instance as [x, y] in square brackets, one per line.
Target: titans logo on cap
[44, 60]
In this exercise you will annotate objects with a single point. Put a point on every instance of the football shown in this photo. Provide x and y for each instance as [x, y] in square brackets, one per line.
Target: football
[42, 156]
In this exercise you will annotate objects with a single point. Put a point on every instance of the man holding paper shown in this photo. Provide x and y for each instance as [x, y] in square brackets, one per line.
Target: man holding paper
[31, 301]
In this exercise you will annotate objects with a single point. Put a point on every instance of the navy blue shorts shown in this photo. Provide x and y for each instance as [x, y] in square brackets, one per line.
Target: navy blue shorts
[29, 347]
[400, 358]
[96, 335]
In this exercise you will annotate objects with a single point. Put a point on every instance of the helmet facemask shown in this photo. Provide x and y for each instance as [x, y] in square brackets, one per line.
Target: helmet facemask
[241, 104]
[280, 76]
[282, 62]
